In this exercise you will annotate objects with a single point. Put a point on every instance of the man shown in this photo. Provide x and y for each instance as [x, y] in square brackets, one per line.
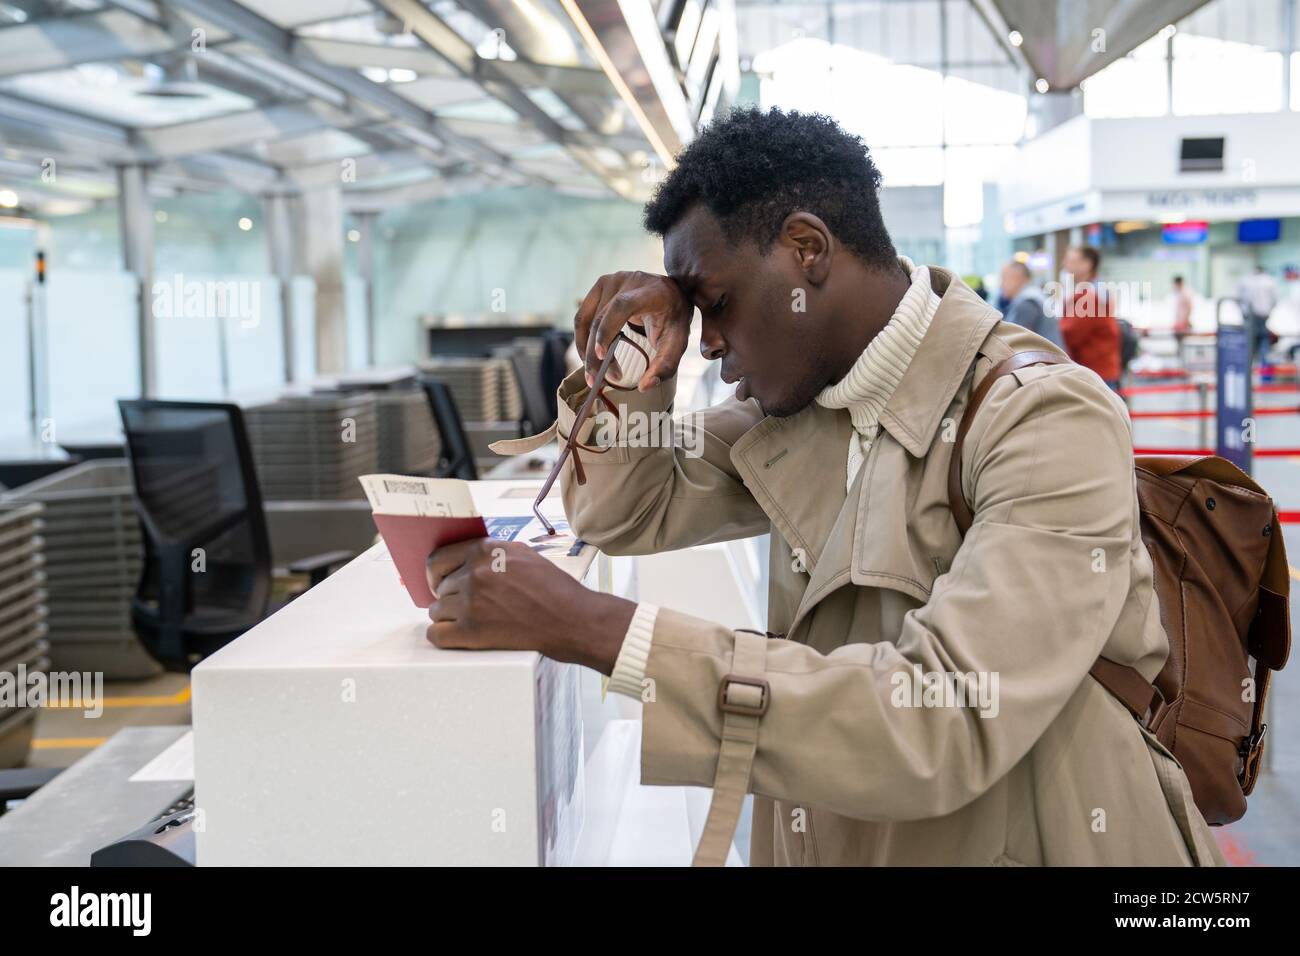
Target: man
[1258, 297]
[1088, 326]
[1182, 316]
[857, 731]
[1025, 303]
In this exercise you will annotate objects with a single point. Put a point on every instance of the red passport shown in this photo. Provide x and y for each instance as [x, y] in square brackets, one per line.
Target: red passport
[417, 516]
[412, 538]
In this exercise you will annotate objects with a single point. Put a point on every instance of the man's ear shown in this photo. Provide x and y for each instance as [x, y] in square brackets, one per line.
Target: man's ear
[809, 240]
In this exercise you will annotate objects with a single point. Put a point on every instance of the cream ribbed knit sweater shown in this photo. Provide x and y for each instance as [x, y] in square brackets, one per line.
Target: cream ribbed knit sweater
[870, 383]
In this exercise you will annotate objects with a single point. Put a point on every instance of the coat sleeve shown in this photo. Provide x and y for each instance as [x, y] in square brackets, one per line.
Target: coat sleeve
[662, 484]
[1029, 601]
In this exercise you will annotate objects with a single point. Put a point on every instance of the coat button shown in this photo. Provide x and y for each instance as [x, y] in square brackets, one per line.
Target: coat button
[1209, 503]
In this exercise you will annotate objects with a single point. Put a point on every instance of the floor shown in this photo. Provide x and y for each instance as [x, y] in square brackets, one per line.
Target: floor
[1269, 835]
[65, 734]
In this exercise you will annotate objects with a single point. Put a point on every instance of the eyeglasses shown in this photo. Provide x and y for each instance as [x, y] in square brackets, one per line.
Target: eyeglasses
[571, 443]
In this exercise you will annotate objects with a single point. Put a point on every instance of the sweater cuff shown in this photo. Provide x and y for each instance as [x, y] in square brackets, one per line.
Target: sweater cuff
[629, 669]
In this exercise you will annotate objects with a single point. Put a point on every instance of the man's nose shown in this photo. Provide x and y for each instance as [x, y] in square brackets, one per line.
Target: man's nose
[712, 347]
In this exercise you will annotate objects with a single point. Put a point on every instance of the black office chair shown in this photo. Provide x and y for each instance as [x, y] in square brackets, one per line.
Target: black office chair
[196, 488]
[457, 455]
[528, 373]
[555, 346]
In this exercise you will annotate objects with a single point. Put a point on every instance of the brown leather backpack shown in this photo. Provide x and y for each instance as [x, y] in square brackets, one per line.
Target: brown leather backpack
[1221, 578]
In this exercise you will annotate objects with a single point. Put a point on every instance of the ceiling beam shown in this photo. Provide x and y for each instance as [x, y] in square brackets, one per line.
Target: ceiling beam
[233, 130]
[436, 187]
[58, 43]
[58, 132]
[564, 80]
[367, 168]
[284, 46]
[464, 59]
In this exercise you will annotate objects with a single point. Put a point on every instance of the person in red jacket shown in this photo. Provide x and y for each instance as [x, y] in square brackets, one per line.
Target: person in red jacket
[1088, 326]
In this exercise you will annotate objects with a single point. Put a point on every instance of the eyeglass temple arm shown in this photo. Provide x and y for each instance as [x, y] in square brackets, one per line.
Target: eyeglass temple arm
[583, 411]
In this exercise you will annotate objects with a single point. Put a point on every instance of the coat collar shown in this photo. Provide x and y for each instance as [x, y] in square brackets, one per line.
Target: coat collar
[825, 525]
[915, 410]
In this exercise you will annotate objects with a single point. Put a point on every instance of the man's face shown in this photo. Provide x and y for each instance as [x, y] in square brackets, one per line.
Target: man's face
[1077, 265]
[760, 318]
[1013, 280]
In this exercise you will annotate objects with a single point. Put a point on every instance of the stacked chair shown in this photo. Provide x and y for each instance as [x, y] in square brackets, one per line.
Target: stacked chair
[23, 643]
[475, 383]
[93, 555]
[408, 438]
[314, 447]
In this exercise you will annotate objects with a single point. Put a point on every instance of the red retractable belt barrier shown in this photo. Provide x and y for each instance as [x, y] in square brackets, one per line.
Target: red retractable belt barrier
[1208, 412]
[1208, 386]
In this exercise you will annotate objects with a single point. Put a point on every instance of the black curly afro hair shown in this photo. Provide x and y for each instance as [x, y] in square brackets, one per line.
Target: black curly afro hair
[753, 168]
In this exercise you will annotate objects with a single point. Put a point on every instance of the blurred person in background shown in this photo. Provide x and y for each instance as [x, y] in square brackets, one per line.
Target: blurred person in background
[1088, 327]
[1258, 296]
[1182, 316]
[1024, 303]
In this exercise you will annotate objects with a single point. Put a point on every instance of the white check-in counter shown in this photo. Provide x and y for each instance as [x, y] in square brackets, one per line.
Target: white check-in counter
[333, 733]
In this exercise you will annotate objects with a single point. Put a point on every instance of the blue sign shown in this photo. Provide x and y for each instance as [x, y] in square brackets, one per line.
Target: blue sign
[1234, 404]
[1189, 233]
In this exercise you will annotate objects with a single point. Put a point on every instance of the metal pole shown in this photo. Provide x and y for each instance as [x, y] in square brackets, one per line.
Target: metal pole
[1288, 48]
[366, 270]
[1203, 393]
[135, 216]
[38, 353]
[279, 249]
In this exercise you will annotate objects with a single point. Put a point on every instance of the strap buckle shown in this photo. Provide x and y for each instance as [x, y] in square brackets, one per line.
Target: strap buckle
[1252, 748]
[728, 706]
[1156, 710]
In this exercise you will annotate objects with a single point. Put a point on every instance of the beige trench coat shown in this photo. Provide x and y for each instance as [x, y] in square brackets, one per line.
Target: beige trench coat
[871, 585]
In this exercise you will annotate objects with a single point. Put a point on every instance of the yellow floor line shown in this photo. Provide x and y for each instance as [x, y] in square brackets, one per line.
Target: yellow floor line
[66, 743]
[161, 700]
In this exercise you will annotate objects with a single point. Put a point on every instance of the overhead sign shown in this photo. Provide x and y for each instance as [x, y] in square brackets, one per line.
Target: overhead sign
[1214, 198]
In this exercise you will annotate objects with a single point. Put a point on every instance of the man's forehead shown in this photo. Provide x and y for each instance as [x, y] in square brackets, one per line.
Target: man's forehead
[694, 245]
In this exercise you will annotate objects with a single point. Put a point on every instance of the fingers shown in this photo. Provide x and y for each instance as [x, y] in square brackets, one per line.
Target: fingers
[669, 347]
[449, 558]
[454, 584]
[586, 314]
[446, 635]
[652, 301]
[614, 314]
[604, 290]
[593, 354]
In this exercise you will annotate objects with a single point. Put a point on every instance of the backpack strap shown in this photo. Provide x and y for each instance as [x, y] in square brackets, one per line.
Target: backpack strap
[961, 511]
[1141, 698]
[743, 698]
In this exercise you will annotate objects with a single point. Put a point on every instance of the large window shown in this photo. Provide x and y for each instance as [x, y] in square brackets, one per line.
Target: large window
[1227, 57]
[933, 94]
[1225, 76]
[1134, 85]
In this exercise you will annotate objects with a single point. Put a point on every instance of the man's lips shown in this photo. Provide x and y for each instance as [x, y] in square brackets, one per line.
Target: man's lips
[741, 383]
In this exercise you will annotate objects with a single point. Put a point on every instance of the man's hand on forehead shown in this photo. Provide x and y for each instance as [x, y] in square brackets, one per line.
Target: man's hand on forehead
[654, 302]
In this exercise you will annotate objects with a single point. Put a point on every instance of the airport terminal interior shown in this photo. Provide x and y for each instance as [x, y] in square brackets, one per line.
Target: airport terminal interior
[254, 250]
